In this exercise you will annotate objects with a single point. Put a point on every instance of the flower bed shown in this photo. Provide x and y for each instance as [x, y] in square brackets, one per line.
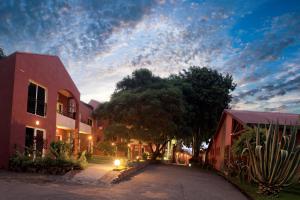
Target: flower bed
[132, 169]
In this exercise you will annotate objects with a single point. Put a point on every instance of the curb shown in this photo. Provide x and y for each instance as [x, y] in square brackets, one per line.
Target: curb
[129, 172]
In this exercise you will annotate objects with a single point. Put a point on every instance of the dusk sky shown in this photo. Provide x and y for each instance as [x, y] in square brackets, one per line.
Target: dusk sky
[100, 42]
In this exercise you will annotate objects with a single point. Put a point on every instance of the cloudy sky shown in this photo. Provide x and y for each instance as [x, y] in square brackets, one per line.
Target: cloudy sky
[101, 41]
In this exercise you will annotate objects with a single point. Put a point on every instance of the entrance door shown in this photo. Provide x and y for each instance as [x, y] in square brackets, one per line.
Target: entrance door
[34, 142]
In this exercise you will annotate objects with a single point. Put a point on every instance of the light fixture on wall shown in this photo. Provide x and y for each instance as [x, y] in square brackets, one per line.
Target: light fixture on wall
[90, 137]
[37, 122]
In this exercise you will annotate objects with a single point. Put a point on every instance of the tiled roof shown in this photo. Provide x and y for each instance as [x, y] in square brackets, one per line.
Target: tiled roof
[253, 117]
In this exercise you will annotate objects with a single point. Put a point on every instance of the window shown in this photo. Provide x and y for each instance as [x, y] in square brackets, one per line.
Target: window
[34, 142]
[60, 108]
[36, 103]
[90, 122]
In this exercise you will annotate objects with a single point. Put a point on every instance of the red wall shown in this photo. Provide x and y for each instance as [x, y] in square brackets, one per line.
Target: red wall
[221, 140]
[85, 111]
[47, 71]
[6, 92]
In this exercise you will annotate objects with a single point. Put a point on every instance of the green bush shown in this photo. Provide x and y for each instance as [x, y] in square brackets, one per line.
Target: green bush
[57, 163]
[248, 135]
[60, 150]
[106, 148]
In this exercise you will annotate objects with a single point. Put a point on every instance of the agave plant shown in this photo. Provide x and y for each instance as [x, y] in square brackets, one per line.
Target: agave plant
[273, 163]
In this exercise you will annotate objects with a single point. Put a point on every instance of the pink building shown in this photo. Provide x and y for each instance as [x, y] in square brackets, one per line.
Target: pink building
[40, 103]
[232, 124]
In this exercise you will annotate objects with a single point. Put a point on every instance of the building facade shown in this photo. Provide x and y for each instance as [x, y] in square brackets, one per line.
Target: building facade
[232, 125]
[39, 103]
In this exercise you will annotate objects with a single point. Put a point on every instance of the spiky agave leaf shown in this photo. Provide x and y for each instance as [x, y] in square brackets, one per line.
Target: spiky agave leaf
[274, 163]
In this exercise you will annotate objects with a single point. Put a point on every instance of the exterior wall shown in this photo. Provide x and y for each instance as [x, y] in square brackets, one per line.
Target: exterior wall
[220, 148]
[6, 94]
[85, 112]
[47, 71]
[222, 140]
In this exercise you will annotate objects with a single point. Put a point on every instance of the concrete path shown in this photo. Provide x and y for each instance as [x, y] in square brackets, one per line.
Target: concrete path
[155, 182]
[92, 174]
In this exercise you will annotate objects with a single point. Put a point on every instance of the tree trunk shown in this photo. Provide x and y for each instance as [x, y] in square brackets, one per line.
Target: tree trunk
[158, 150]
[197, 140]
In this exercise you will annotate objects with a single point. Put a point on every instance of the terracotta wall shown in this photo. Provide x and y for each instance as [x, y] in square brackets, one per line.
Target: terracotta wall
[6, 94]
[48, 71]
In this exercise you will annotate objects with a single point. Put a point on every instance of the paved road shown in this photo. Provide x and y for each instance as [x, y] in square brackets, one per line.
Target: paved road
[155, 182]
[92, 174]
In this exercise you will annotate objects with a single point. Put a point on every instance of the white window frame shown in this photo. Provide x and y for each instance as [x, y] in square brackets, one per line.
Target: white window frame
[35, 129]
[46, 97]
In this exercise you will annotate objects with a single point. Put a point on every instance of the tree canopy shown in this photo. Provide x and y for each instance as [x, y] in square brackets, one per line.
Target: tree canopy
[148, 108]
[206, 94]
[152, 109]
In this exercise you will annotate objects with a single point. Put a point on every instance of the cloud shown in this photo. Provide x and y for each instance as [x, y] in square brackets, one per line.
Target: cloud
[69, 29]
[100, 42]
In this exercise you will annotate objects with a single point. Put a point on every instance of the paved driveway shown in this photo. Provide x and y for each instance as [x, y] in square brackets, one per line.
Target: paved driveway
[155, 182]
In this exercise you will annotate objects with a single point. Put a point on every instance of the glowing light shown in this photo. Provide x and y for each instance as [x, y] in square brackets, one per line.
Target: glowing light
[37, 122]
[128, 145]
[117, 163]
[190, 164]
[90, 137]
[113, 144]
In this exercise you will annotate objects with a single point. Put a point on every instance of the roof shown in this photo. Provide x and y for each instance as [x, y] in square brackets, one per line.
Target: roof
[94, 103]
[87, 105]
[254, 117]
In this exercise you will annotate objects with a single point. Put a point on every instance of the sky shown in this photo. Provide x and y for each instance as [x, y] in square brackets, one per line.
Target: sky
[102, 41]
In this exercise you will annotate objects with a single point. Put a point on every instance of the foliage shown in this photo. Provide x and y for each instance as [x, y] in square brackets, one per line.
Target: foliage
[60, 150]
[106, 148]
[46, 165]
[249, 134]
[2, 54]
[273, 163]
[291, 193]
[146, 108]
[145, 155]
[237, 168]
[57, 162]
[206, 94]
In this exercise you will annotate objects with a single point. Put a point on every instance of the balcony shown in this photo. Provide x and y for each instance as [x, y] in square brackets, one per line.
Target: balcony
[65, 122]
[85, 128]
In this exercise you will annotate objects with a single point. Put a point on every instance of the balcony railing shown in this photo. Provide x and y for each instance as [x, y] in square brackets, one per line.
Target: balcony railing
[67, 114]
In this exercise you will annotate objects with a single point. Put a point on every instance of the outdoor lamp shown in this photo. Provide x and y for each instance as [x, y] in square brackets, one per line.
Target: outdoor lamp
[90, 137]
[37, 122]
[117, 162]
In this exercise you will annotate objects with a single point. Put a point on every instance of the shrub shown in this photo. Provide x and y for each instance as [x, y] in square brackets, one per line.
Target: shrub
[273, 163]
[60, 150]
[248, 135]
[57, 163]
[106, 148]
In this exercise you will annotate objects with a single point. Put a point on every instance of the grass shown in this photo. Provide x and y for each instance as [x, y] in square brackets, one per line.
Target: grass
[291, 193]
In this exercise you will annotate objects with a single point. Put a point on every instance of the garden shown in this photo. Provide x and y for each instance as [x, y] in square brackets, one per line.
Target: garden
[266, 163]
[58, 161]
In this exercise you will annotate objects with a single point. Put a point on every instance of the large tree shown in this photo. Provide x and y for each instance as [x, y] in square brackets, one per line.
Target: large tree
[145, 107]
[206, 94]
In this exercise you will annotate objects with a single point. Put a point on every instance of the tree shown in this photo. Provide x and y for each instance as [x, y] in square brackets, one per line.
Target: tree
[206, 94]
[2, 54]
[148, 107]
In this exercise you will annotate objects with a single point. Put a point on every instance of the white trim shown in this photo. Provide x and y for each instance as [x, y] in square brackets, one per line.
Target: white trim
[35, 129]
